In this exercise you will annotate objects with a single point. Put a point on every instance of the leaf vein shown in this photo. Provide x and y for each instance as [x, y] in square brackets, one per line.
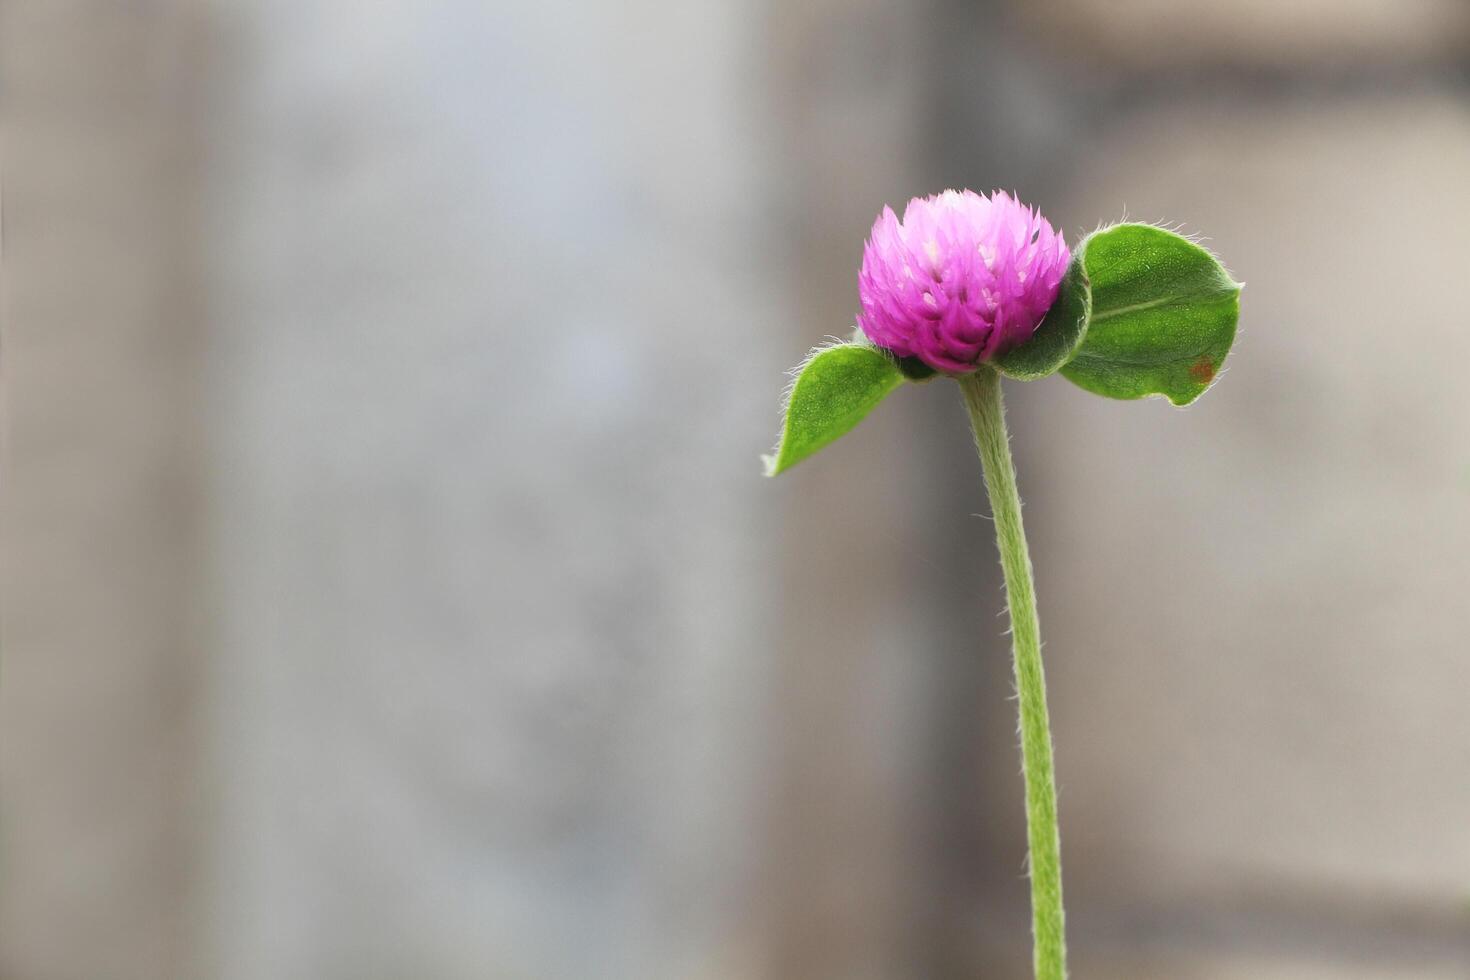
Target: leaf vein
[1178, 299]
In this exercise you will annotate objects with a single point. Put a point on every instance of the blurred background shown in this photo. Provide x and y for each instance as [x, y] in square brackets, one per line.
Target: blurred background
[391, 589]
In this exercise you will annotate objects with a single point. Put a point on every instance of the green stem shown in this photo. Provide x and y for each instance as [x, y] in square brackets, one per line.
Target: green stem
[987, 418]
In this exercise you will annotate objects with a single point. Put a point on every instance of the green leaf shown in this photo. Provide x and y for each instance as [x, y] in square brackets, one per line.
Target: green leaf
[1059, 334]
[835, 388]
[1163, 315]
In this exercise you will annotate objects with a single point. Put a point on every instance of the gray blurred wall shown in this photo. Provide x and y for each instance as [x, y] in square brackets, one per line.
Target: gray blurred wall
[102, 632]
[489, 655]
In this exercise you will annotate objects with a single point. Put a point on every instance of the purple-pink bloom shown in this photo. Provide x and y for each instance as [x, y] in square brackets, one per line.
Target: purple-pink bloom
[963, 277]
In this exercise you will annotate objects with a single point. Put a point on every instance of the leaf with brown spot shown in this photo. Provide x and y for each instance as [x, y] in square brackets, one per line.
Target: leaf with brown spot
[1163, 315]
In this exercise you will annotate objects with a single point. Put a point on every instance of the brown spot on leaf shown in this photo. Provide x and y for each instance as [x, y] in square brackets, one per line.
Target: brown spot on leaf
[1202, 370]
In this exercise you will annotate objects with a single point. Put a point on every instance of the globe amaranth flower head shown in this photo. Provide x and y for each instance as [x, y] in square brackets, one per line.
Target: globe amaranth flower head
[963, 277]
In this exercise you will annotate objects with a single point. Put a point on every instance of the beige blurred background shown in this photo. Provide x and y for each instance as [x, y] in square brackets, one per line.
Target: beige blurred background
[390, 589]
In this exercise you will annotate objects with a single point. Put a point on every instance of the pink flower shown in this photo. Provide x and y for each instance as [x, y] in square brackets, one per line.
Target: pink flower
[960, 279]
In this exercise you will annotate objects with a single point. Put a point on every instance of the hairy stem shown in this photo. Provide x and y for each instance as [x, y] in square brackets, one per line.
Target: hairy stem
[987, 419]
